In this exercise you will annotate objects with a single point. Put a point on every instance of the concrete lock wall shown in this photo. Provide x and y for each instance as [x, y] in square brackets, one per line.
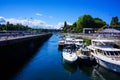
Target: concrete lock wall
[14, 54]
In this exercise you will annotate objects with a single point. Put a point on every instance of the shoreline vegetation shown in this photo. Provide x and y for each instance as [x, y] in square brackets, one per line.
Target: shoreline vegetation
[9, 27]
[87, 21]
[16, 27]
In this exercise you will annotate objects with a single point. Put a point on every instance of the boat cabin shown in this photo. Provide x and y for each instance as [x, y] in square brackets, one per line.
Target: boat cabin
[85, 52]
[109, 52]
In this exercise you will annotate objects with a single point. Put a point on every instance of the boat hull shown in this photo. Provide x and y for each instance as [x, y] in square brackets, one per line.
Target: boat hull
[86, 61]
[110, 66]
[70, 62]
[61, 43]
[69, 58]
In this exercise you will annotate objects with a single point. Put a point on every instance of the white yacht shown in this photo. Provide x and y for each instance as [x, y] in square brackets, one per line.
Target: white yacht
[105, 54]
[70, 42]
[69, 55]
[78, 42]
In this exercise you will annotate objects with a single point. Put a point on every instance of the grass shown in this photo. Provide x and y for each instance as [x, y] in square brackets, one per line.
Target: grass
[87, 41]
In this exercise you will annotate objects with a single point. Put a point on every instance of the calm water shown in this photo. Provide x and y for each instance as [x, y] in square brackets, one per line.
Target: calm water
[48, 65]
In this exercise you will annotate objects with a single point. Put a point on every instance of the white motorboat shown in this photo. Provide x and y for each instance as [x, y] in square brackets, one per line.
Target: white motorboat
[105, 54]
[70, 42]
[69, 55]
[83, 53]
[78, 43]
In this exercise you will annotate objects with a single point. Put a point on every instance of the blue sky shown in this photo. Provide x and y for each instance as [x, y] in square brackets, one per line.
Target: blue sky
[52, 13]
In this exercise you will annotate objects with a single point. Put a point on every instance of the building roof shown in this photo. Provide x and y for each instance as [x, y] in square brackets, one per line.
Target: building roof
[107, 30]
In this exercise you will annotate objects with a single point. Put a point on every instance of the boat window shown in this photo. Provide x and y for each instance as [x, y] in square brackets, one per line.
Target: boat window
[109, 43]
[104, 53]
[111, 53]
[92, 51]
[98, 50]
[107, 53]
[116, 52]
[80, 41]
[85, 52]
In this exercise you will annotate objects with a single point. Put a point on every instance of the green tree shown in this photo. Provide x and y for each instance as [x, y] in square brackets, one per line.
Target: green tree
[85, 21]
[65, 24]
[98, 23]
[114, 21]
[7, 25]
[74, 24]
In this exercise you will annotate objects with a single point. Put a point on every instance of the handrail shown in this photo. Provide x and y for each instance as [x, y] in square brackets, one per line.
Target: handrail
[101, 28]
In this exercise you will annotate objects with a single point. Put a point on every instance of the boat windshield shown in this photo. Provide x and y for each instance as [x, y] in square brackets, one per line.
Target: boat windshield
[85, 51]
[65, 50]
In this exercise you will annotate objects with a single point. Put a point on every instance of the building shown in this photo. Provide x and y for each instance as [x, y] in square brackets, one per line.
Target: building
[88, 30]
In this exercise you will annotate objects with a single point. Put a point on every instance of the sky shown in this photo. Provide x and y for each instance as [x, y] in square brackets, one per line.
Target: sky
[53, 13]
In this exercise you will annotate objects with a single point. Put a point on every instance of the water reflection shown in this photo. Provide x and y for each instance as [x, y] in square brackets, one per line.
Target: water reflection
[100, 73]
[86, 69]
[71, 68]
[60, 48]
[96, 75]
[97, 72]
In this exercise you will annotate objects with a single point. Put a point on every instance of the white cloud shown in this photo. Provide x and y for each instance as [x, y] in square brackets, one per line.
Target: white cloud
[61, 25]
[38, 14]
[2, 20]
[33, 23]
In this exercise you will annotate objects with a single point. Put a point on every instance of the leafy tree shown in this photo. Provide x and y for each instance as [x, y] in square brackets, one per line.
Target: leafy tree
[74, 24]
[98, 23]
[114, 21]
[7, 25]
[64, 29]
[11, 27]
[85, 21]
[65, 24]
